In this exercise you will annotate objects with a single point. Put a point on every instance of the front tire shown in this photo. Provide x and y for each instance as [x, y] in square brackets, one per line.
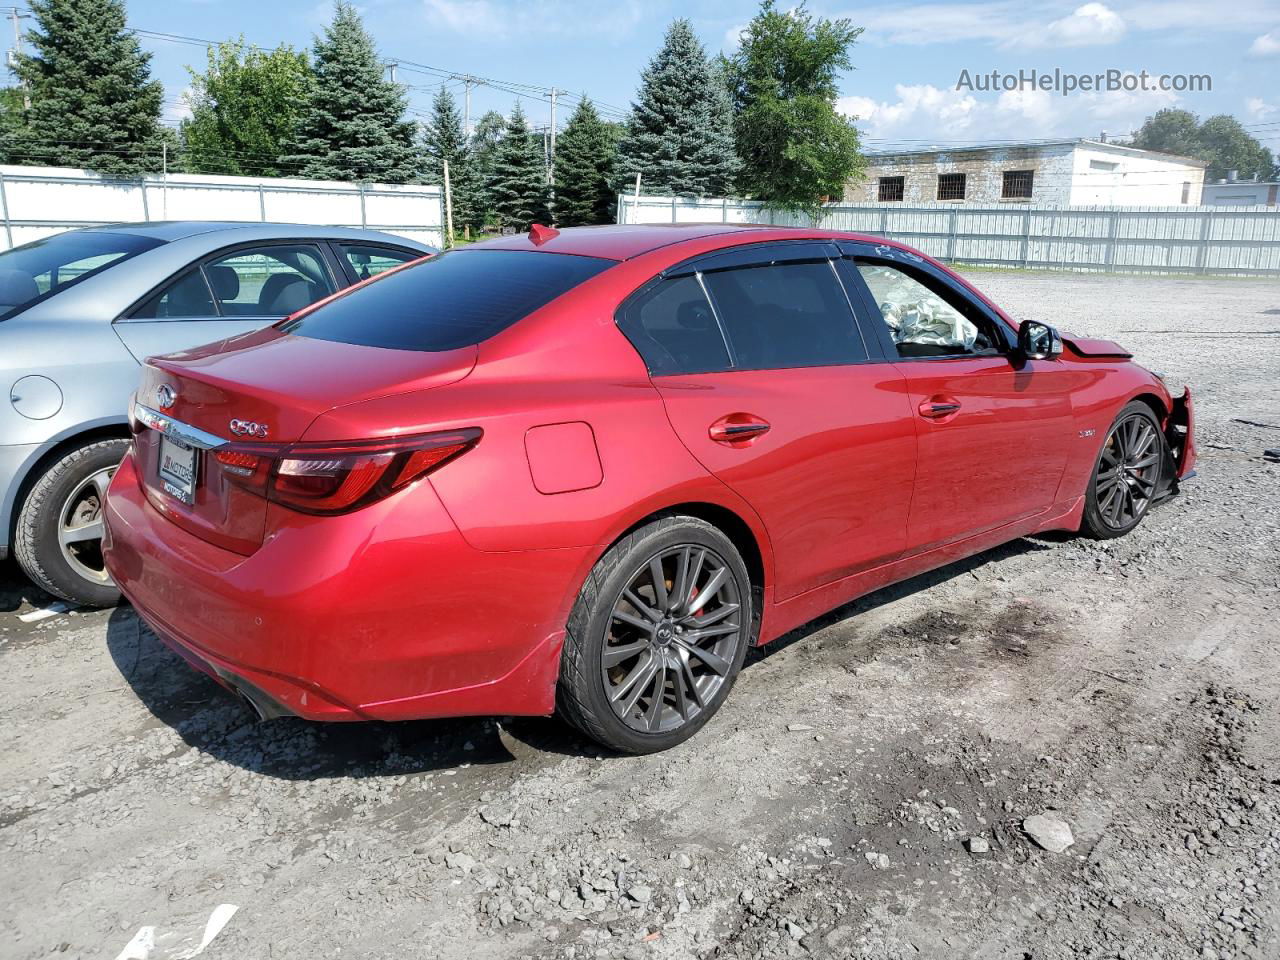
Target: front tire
[1127, 474]
[657, 636]
[58, 541]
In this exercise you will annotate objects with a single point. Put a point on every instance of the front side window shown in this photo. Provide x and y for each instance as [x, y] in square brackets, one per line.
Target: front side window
[268, 281]
[40, 269]
[922, 321]
[456, 299]
[789, 314]
[369, 261]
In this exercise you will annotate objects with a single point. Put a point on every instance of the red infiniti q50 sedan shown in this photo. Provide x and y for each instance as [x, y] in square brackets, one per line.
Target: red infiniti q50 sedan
[584, 470]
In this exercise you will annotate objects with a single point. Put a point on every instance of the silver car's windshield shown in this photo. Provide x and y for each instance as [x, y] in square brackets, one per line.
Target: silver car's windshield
[40, 269]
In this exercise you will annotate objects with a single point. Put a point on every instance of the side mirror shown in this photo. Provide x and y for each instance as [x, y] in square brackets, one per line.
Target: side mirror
[1038, 341]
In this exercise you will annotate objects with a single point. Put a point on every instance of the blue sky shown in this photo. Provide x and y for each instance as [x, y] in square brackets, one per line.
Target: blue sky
[903, 87]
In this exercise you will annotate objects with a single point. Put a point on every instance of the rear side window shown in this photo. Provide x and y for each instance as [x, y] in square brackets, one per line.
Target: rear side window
[41, 269]
[456, 299]
[675, 329]
[783, 315]
[369, 261]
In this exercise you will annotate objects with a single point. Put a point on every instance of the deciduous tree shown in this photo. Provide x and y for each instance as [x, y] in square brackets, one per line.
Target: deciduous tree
[245, 109]
[795, 147]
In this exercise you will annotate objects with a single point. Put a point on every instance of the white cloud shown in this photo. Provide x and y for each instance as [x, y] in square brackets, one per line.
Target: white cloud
[1007, 23]
[1259, 109]
[1093, 23]
[929, 23]
[1267, 45]
[924, 115]
[732, 38]
[177, 109]
[1194, 17]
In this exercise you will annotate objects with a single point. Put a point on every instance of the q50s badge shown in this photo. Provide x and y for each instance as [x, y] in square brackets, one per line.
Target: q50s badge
[247, 428]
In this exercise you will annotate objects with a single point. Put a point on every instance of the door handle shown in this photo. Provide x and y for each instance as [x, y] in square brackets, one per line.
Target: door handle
[937, 407]
[737, 427]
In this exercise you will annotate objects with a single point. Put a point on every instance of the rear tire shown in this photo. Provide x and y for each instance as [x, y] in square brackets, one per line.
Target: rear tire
[1127, 474]
[58, 541]
[643, 669]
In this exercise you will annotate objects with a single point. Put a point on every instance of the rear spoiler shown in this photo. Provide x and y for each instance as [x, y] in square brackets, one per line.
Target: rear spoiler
[1091, 347]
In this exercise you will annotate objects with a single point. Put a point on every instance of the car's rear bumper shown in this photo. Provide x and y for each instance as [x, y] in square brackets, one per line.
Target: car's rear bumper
[391, 616]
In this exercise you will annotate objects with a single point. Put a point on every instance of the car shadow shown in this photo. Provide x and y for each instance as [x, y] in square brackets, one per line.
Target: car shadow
[16, 589]
[211, 719]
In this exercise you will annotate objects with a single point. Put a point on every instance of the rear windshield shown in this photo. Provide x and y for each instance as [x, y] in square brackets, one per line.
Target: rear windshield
[456, 299]
[34, 271]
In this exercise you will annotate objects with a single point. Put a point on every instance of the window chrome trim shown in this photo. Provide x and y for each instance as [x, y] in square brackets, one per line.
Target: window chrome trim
[182, 432]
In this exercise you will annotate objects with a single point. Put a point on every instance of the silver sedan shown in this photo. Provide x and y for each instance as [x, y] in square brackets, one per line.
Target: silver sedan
[80, 310]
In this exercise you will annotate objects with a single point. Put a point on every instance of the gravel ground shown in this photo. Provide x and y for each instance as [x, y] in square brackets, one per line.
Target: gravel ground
[864, 793]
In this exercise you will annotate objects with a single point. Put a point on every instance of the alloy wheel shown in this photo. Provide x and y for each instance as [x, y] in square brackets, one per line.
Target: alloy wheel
[672, 637]
[80, 526]
[1128, 471]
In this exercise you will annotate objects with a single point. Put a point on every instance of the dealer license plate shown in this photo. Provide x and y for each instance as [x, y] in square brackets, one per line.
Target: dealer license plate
[178, 469]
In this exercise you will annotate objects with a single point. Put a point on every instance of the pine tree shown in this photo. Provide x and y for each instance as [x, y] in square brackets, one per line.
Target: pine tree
[443, 139]
[353, 123]
[680, 133]
[486, 137]
[244, 110]
[585, 155]
[518, 184]
[93, 102]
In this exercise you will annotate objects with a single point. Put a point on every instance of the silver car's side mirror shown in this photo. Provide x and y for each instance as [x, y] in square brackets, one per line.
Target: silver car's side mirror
[1038, 341]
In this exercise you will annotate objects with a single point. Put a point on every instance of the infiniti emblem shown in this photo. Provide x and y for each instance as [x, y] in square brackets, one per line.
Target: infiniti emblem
[165, 396]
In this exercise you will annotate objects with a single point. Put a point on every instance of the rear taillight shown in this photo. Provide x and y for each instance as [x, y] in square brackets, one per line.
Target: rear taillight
[337, 477]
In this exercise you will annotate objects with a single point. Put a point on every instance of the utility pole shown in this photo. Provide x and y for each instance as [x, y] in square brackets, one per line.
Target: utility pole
[448, 208]
[17, 45]
[391, 67]
[551, 165]
[466, 110]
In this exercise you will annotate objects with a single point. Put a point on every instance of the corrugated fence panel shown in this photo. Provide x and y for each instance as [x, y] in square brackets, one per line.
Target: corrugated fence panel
[40, 201]
[1218, 240]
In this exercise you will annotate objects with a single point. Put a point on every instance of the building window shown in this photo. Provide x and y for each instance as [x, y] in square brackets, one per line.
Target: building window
[891, 188]
[1017, 185]
[1186, 192]
[951, 186]
[1103, 165]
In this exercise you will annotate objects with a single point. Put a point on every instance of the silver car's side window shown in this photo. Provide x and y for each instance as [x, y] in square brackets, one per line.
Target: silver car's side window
[272, 280]
[269, 281]
[187, 297]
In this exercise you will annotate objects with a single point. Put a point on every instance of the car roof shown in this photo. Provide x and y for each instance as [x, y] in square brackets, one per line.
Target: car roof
[624, 241]
[168, 230]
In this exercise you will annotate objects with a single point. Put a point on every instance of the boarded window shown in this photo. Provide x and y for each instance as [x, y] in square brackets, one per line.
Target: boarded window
[951, 186]
[891, 188]
[1017, 185]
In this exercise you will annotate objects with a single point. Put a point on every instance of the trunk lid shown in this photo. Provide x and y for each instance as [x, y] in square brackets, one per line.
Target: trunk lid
[265, 387]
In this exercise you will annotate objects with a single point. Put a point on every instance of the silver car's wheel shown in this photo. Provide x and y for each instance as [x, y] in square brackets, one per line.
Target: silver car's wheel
[58, 540]
[80, 527]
